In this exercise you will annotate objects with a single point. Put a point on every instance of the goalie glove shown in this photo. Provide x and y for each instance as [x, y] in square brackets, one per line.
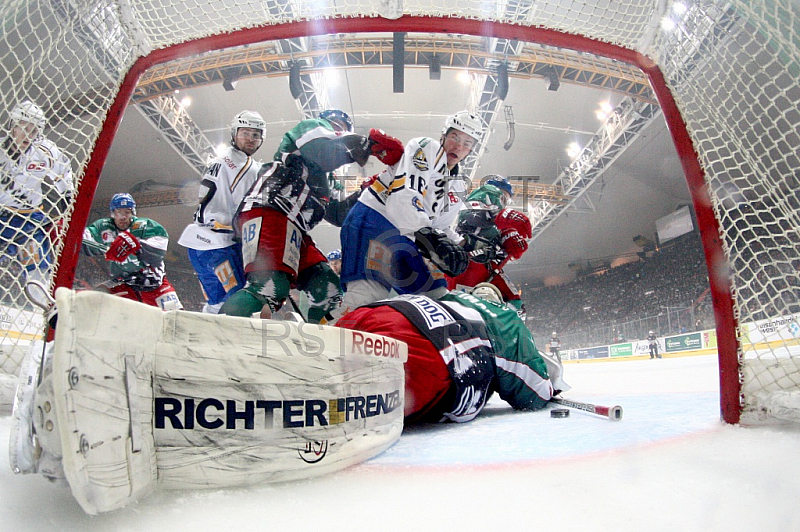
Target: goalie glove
[513, 244]
[511, 220]
[385, 148]
[447, 256]
[122, 247]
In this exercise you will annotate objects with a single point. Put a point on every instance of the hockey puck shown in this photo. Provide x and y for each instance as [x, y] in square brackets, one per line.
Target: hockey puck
[559, 412]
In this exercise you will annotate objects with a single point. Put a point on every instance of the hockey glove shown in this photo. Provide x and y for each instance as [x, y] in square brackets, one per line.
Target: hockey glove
[472, 221]
[294, 166]
[513, 244]
[447, 256]
[385, 148]
[123, 246]
[511, 220]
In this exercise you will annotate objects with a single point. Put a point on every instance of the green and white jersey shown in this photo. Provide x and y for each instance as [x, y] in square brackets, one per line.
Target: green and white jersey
[140, 270]
[322, 149]
[487, 197]
[521, 376]
[476, 219]
[298, 182]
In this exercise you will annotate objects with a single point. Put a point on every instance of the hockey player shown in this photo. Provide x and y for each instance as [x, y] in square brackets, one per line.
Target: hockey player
[493, 235]
[134, 250]
[213, 252]
[652, 343]
[555, 347]
[461, 348]
[35, 190]
[397, 222]
[290, 197]
[335, 261]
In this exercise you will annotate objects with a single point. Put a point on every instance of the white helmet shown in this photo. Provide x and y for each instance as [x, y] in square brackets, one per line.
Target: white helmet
[249, 119]
[28, 111]
[489, 292]
[466, 122]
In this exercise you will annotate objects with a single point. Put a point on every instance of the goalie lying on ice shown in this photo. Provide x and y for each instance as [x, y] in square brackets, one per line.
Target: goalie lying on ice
[462, 348]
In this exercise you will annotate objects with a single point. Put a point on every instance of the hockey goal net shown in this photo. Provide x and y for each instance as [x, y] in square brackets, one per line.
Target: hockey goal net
[725, 73]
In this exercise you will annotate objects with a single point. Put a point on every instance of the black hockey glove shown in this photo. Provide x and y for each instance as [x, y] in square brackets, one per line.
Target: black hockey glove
[471, 221]
[487, 253]
[434, 245]
[294, 166]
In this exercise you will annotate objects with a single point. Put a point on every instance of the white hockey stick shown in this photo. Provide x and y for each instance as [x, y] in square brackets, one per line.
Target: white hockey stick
[96, 246]
[614, 413]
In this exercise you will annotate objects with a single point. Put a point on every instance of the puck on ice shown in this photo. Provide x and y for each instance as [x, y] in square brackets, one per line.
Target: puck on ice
[559, 412]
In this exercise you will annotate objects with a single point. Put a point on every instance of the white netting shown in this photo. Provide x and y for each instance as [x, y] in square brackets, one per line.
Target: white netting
[732, 68]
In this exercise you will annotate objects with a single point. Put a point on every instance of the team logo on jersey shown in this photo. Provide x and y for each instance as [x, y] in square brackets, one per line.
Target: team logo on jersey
[226, 276]
[434, 314]
[420, 161]
[417, 204]
[379, 258]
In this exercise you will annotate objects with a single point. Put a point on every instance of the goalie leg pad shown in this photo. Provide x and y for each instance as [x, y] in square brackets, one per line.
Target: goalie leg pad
[203, 401]
[24, 450]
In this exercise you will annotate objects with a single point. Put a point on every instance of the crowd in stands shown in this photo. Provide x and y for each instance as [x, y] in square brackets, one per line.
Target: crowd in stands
[672, 277]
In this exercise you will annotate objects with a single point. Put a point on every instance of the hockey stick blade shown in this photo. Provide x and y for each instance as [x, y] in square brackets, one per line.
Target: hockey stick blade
[614, 413]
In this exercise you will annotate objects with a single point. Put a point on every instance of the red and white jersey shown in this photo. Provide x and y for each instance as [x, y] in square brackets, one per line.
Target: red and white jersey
[225, 182]
[41, 172]
[413, 193]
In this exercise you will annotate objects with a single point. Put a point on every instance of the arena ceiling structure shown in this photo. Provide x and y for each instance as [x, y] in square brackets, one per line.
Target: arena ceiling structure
[580, 136]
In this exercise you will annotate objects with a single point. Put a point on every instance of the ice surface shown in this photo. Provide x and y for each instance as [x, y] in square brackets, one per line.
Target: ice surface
[669, 465]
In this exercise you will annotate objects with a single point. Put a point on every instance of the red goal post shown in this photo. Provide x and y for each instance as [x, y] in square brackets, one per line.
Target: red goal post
[725, 77]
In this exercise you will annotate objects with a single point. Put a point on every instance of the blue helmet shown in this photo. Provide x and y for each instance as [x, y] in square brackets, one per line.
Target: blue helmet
[336, 114]
[122, 201]
[500, 182]
[336, 254]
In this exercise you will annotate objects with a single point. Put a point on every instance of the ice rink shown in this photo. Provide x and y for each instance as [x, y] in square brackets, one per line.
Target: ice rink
[669, 465]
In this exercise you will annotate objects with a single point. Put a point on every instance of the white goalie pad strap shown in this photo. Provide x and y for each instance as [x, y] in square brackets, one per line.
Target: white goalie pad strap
[95, 333]
[214, 401]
